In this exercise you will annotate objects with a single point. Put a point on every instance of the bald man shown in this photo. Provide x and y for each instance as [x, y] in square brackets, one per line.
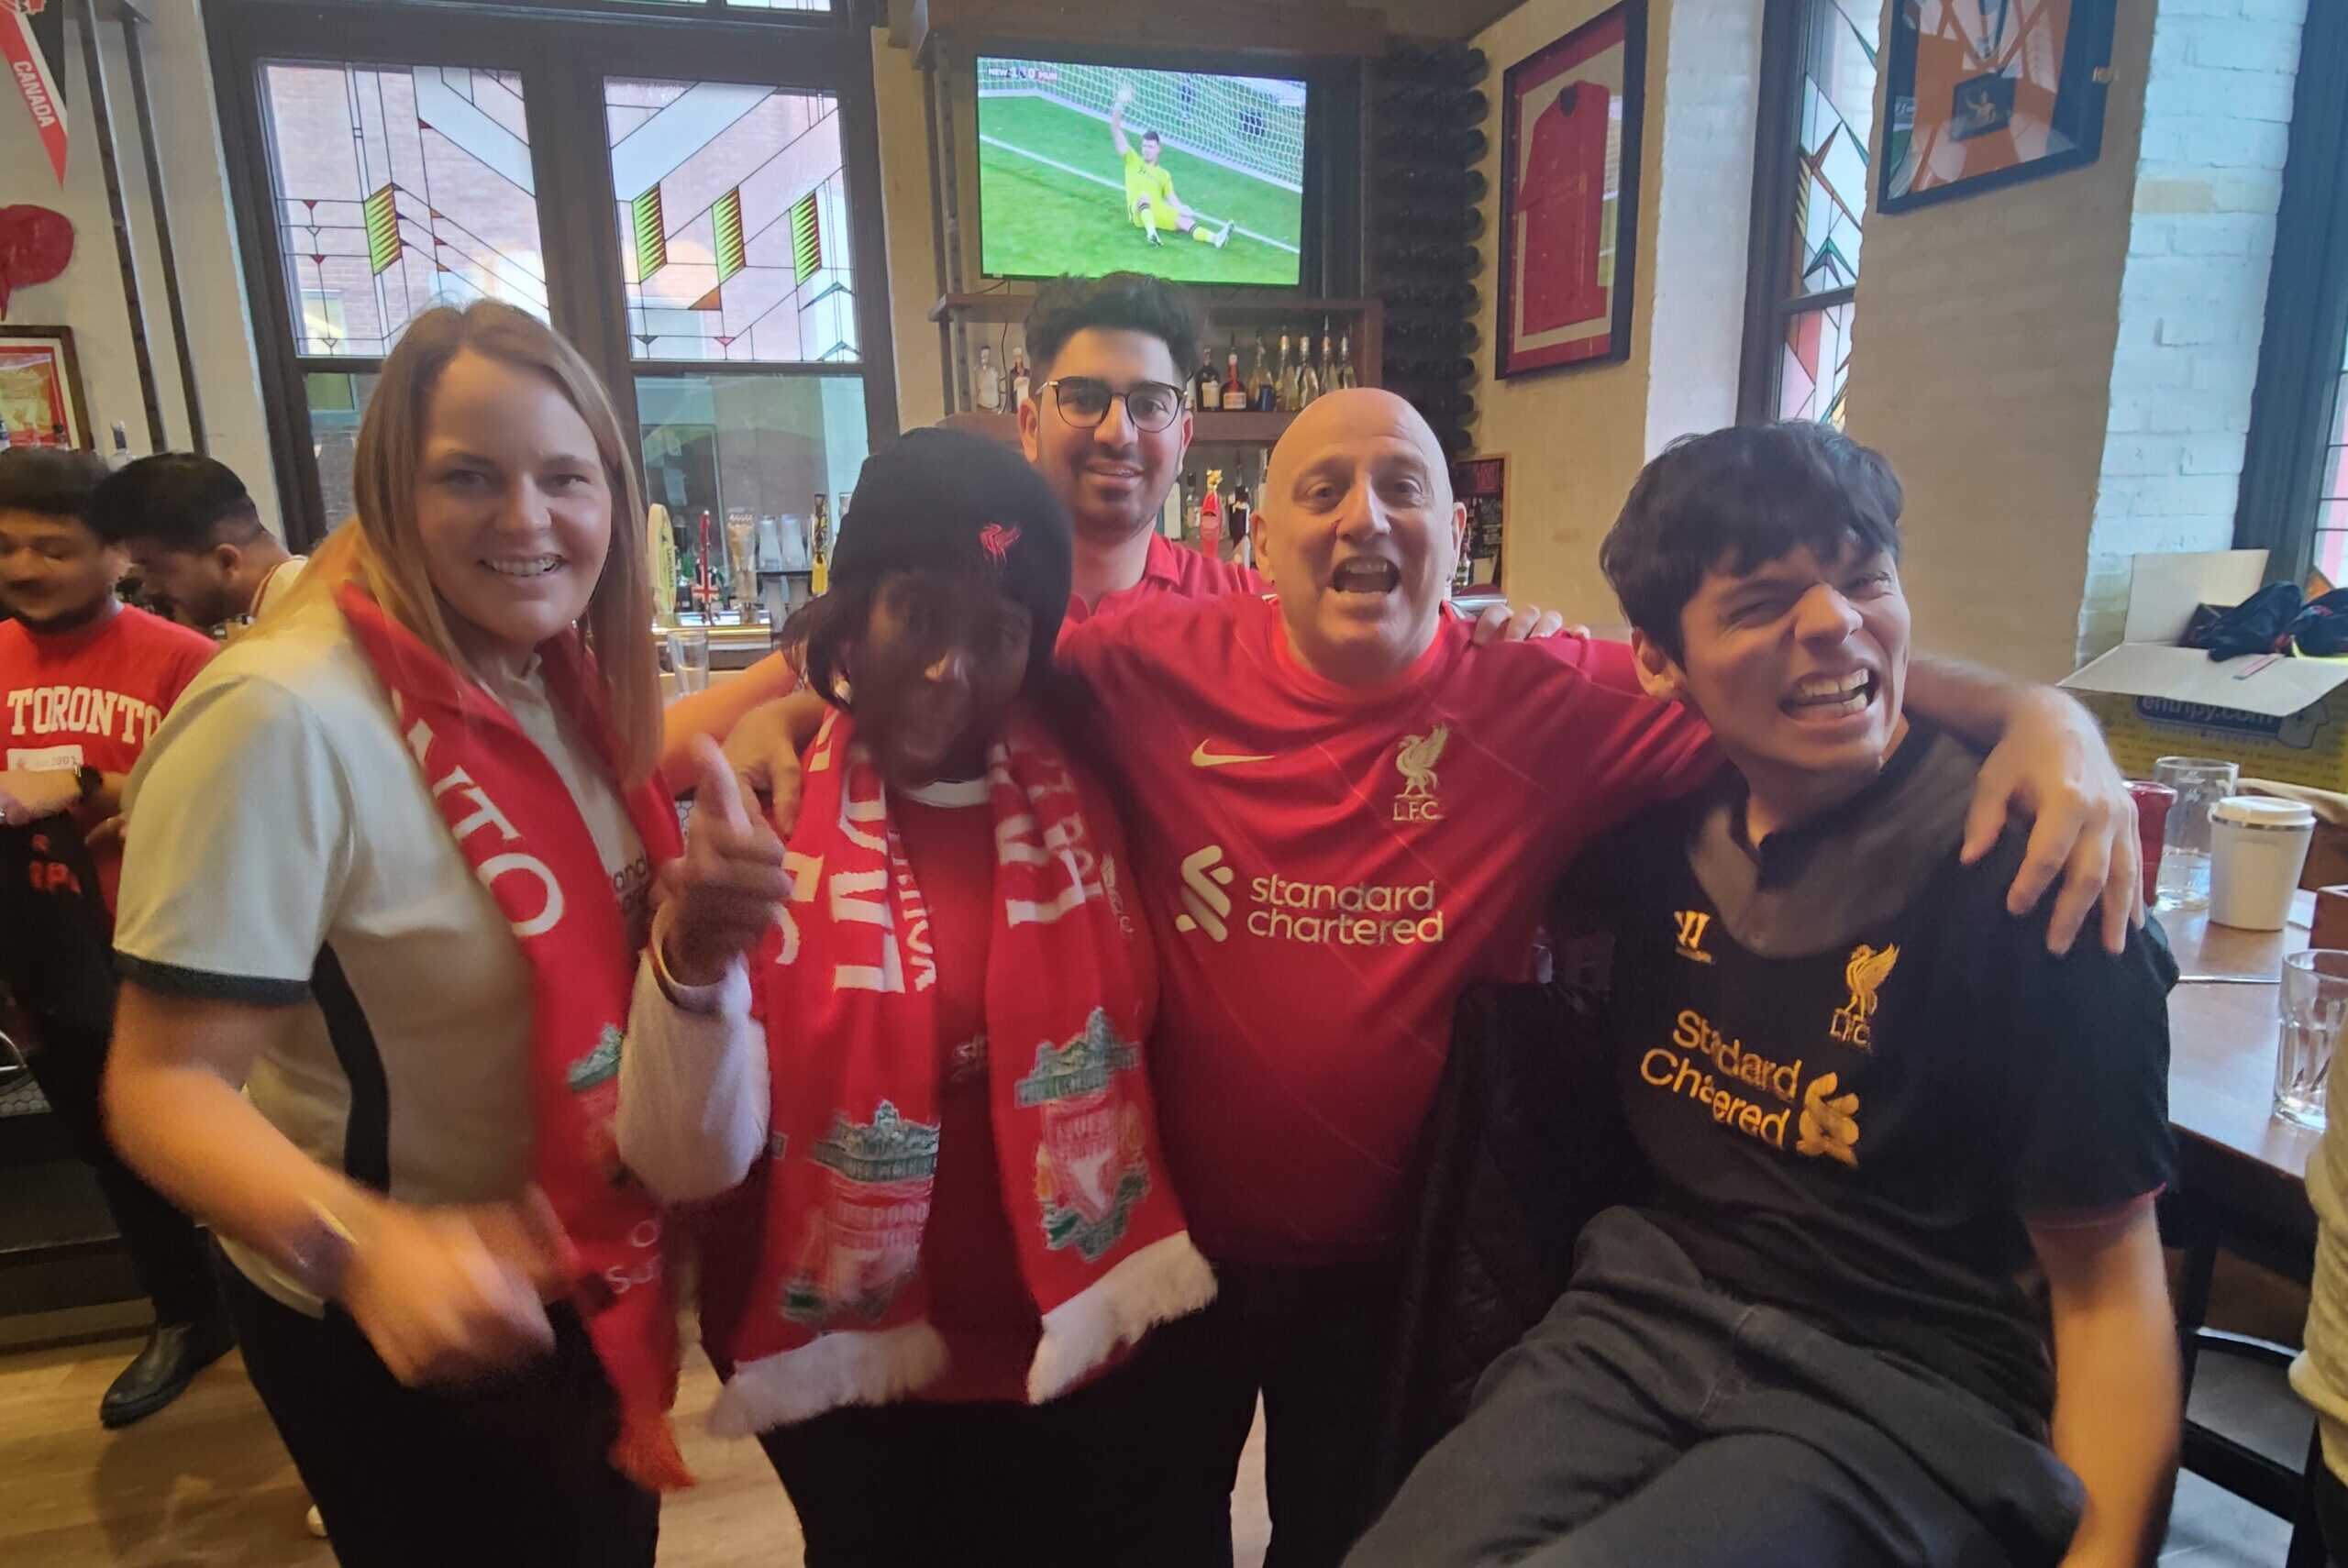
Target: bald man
[1343, 811]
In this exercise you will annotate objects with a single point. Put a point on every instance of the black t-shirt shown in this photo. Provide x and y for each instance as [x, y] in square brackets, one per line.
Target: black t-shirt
[1854, 1132]
[55, 952]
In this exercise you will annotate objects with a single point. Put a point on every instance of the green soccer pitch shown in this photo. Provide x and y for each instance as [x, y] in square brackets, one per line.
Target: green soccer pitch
[1052, 190]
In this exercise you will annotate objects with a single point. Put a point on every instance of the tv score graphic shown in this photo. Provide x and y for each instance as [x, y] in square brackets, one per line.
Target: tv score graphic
[1093, 169]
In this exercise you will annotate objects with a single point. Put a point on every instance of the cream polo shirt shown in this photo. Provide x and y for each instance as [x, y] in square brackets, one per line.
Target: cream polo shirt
[284, 849]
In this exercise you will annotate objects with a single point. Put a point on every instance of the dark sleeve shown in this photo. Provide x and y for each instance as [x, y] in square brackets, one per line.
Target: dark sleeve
[2075, 1048]
[1592, 903]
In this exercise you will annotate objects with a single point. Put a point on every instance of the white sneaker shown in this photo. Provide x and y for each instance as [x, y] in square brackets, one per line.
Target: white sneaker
[317, 1521]
[1224, 233]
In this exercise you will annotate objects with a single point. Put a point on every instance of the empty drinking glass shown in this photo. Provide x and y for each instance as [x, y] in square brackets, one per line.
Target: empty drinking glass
[2314, 1003]
[2201, 782]
[689, 661]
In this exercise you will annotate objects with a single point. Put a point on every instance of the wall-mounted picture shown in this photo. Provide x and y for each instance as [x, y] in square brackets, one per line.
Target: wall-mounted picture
[1980, 93]
[1569, 195]
[41, 389]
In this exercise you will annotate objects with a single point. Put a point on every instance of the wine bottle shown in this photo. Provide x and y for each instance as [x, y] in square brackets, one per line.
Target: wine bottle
[1207, 387]
[1285, 395]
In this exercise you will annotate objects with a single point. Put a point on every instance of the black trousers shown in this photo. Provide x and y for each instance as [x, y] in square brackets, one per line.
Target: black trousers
[1311, 1343]
[1650, 1418]
[1093, 1479]
[167, 1252]
[511, 1473]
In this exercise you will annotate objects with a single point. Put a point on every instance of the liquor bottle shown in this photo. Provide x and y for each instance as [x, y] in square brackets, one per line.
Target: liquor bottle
[1284, 395]
[1207, 386]
[119, 458]
[1211, 516]
[820, 554]
[1263, 394]
[1345, 367]
[1328, 361]
[1019, 378]
[1234, 391]
[987, 382]
[1242, 526]
[1310, 383]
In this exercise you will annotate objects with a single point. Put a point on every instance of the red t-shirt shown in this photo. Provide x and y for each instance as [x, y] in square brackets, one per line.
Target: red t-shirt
[1325, 869]
[1560, 197]
[976, 1294]
[1173, 572]
[92, 697]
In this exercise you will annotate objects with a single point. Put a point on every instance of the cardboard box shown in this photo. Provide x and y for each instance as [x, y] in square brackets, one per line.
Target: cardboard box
[2285, 719]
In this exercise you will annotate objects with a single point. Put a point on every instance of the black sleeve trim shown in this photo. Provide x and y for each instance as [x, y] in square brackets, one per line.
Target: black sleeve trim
[171, 979]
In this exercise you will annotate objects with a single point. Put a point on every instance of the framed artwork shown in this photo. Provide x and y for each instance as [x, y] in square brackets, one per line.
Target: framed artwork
[1569, 195]
[1480, 484]
[1980, 93]
[40, 388]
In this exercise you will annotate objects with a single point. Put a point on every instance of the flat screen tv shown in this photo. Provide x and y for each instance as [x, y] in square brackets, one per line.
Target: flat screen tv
[1093, 169]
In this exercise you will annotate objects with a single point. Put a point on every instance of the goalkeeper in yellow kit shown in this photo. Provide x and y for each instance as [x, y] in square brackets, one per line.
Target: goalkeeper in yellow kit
[1150, 201]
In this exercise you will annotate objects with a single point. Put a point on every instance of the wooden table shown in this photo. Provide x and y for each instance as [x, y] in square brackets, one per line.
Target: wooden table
[2222, 1038]
[2241, 1183]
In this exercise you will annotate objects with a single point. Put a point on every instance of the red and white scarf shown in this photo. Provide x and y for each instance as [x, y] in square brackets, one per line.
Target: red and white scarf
[514, 821]
[834, 1310]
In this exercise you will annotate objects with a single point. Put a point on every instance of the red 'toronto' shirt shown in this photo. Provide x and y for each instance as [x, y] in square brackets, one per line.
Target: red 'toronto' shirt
[1326, 868]
[92, 697]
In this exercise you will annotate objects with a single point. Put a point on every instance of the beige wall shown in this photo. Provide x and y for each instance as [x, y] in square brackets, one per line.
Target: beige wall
[89, 296]
[1982, 367]
[1575, 438]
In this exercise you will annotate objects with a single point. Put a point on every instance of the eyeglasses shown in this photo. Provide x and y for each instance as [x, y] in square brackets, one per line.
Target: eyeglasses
[1084, 402]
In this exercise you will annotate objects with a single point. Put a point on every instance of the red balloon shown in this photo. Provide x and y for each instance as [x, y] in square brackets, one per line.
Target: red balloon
[35, 244]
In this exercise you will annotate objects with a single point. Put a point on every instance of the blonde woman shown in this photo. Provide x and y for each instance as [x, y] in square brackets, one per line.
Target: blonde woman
[386, 881]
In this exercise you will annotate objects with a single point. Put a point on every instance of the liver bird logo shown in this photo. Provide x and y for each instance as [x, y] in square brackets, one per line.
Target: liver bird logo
[1417, 758]
[1866, 974]
[997, 541]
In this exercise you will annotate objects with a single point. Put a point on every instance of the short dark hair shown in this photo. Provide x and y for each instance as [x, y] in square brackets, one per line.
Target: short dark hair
[1734, 499]
[49, 481]
[1120, 302]
[1153, 135]
[182, 500]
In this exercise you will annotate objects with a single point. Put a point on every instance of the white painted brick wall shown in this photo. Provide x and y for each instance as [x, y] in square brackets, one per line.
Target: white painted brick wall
[2193, 296]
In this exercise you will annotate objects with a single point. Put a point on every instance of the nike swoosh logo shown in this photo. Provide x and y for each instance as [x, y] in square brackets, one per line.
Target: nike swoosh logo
[1203, 757]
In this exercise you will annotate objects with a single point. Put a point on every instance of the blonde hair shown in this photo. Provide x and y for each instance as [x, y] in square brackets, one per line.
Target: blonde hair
[379, 547]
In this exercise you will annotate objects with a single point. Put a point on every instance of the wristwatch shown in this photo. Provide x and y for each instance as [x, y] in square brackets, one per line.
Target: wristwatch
[90, 781]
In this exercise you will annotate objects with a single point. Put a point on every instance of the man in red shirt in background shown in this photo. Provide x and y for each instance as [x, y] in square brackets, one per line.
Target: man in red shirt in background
[85, 680]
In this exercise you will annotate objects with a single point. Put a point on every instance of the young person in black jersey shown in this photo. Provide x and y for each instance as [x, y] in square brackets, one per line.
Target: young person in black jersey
[1898, 1294]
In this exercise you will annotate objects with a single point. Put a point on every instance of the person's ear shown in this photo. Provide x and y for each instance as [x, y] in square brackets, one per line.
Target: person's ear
[227, 557]
[1031, 418]
[1659, 674]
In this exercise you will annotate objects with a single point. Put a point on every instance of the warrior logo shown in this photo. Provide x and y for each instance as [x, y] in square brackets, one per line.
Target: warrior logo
[1091, 1166]
[1864, 975]
[865, 1243]
[1415, 761]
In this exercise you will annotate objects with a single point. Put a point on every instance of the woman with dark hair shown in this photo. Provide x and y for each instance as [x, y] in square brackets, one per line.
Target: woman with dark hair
[947, 1209]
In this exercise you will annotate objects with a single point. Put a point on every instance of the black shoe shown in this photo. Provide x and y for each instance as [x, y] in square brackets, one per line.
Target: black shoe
[174, 1353]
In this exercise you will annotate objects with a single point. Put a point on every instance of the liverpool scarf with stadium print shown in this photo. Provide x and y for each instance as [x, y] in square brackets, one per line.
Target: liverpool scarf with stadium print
[516, 823]
[835, 1308]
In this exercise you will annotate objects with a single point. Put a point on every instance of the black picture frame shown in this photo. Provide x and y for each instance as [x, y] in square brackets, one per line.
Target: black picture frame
[1928, 77]
[1622, 26]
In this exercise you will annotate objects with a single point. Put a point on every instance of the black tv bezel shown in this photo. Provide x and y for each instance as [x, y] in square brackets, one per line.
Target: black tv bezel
[1314, 71]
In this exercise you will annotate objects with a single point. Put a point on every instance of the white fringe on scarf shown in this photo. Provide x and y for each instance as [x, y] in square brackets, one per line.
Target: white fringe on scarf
[1165, 1280]
[1161, 1282]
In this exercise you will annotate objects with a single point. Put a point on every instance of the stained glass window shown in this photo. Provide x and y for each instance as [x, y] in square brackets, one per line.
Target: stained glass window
[733, 220]
[1816, 127]
[398, 188]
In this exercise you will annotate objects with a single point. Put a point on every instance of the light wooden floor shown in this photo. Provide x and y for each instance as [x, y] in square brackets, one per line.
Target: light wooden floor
[207, 1482]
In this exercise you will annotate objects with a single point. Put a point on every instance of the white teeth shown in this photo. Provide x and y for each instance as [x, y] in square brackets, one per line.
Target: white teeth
[1817, 686]
[532, 566]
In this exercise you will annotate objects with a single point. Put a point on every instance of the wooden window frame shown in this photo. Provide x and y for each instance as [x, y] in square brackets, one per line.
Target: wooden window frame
[562, 52]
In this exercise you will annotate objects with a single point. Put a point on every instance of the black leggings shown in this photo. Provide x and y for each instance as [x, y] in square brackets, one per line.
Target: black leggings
[509, 1473]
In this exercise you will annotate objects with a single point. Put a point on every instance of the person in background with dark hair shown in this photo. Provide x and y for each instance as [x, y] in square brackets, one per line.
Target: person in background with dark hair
[86, 680]
[954, 1213]
[1874, 1102]
[194, 538]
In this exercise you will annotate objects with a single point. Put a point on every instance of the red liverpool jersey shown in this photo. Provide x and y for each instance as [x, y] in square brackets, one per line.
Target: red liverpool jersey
[1326, 868]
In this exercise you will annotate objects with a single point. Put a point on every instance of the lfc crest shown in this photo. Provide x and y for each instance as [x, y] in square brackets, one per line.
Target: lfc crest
[1864, 975]
[1092, 1167]
[864, 1245]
